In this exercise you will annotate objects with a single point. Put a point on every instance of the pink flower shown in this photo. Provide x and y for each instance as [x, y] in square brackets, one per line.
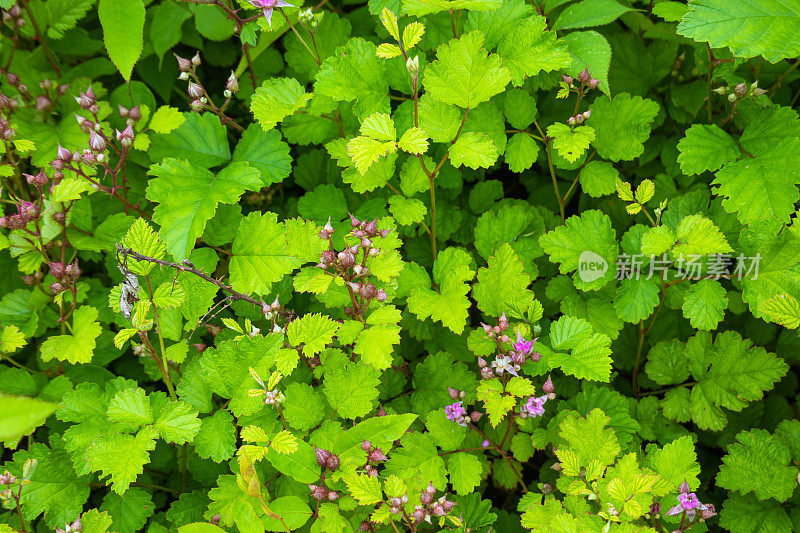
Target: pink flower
[521, 346]
[454, 411]
[689, 504]
[268, 5]
[535, 406]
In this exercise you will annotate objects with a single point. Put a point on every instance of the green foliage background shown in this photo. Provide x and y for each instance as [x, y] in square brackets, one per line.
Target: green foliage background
[495, 143]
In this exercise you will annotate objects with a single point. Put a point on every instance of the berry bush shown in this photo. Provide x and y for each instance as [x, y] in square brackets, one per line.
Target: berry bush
[487, 266]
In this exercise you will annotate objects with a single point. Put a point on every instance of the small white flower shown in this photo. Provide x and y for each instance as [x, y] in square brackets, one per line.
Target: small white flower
[504, 364]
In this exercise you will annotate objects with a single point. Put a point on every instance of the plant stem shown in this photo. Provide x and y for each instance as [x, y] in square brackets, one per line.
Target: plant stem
[41, 38]
[187, 266]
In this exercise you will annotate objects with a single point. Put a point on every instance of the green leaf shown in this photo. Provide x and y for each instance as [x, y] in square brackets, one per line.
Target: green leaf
[176, 422]
[451, 272]
[589, 438]
[351, 389]
[743, 514]
[622, 125]
[414, 141]
[54, 488]
[676, 462]
[166, 119]
[131, 407]
[762, 188]
[266, 152]
[293, 510]
[188, 197]
[589, 354]
[20, 416]
[312, 332]
[129, 512]
[265, 250]
[63, 15]
[407, 211]
[705, 148]
[439, 120]
[636, 298]
[303, 406]
[568, 142]
[276, 99]
[503, 285]
[729, 374]
[704, 304]
[364, 488]
[354, 72]
[667, 364]
[465, 472]
[589, 13]
[474, 150]
[589, 50]
[521, 152]
[375, 344]
[591, 232]
[782, 309]
[216, 439]
[758, 462]
[11, 339]
[365, 151]
[598, 178]
[121, 457]
[201, 139]
[77, 347]
[123, 26]
[749, 28]
[528, 48]
[464, 74]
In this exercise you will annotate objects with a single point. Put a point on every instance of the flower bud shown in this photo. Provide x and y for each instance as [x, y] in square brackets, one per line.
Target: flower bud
[740, 90]
[454, 393]
[232, 84]
[322, 456]
[196, 59]
[593, 83]
[732, 97]
[548, 387]
[381, 295]
[13, 79]
[215, 519]
[183, 76]
[194, 90]
[475, 416]
[567, 79]
[96, 142]
[412, 65]
[73, 271]
[332, 496]
[135, 113]
[318, 492]
[430, 489]
[56, 288]
[183, 64]
[57, 269]
[366, 445]
[425, 498]
[584, 76]
[376, 456]
[196, 105]
[333, 462]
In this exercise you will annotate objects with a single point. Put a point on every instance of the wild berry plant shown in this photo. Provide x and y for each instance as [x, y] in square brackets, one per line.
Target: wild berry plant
[441, 265]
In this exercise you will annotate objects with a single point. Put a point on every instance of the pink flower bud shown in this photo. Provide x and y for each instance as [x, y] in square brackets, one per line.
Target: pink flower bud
[584, 76]
[194, 90]
[135, 113]
[63, 154]
[57, 269]
[123, 111]
[548, 387]
[454, 393]
[430, 489]
[232, 84]
[183, 64]
[322, 456]
[96, 142]
[376, 456]
[366, 445]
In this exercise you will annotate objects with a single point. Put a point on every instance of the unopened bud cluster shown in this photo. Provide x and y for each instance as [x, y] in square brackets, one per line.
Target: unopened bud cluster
[429, 506]
[66, 275]
[351, 263]
[585, 78]
[579, 119]
[374, 455]
[26, 212]
[198, 96]
[13, 16]
[7, 133]
[740, 91]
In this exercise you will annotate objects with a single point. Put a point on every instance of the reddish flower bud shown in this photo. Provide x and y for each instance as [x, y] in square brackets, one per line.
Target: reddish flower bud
[376, 456]
[135, 113]
[366, 446]
[96, 142]
[584, 76]
[184, 65]
[195, 91]
[430, 489]
[57, 269]
[322, 456]
[333, 462]
[548, 387]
